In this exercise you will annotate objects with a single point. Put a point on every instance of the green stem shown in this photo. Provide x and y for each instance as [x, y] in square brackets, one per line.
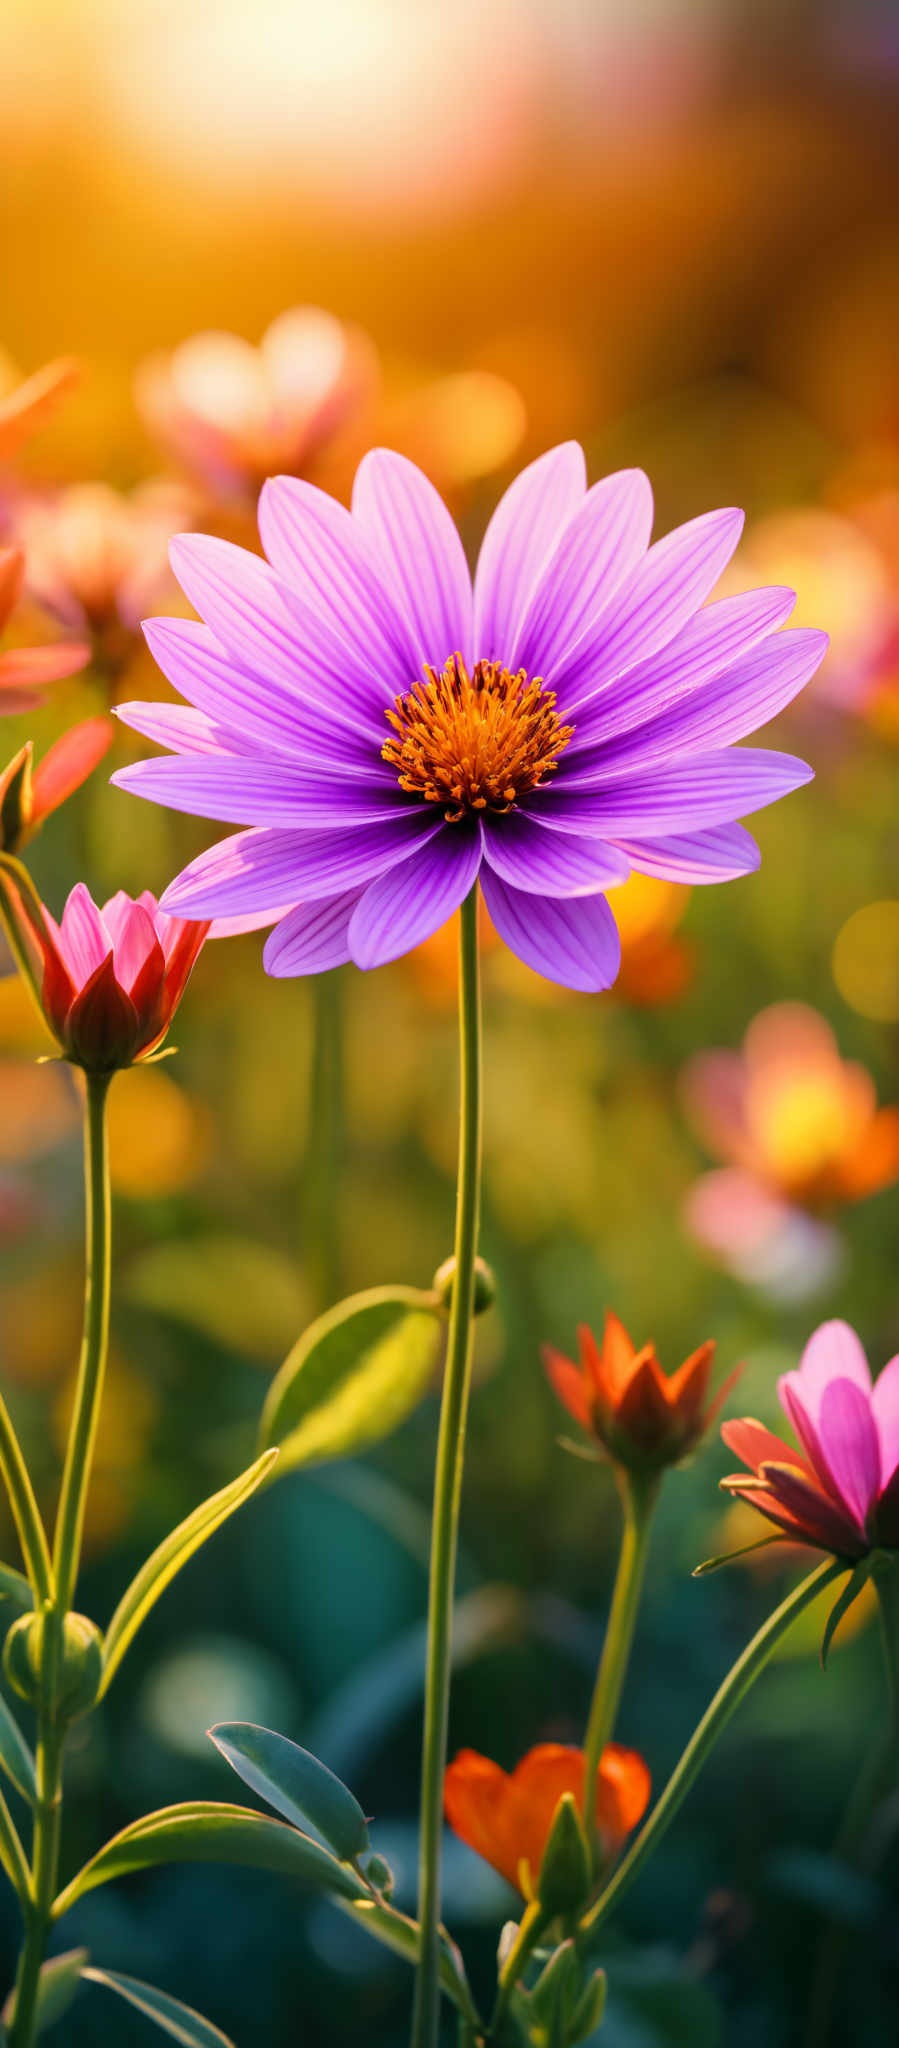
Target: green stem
[737, 1683]
[860, 1844]
[533, 1923]
[12, 1854]
[448, 1482]
[92, 1363]
[19, 951]
[320, 1204]
[639, 1497]
[25, 1509]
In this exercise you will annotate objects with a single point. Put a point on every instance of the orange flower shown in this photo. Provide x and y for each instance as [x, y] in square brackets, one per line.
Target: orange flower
[644, 1418]
[25, 670]
[27, 795]
[27, 405]
[508, 1818]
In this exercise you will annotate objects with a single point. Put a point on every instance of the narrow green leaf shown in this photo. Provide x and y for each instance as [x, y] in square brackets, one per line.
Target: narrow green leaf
[855, 1584]
[353, 1376]
[168, 1559]
[202, 1831]
[58, 1983]
[15, 1755]
[295, 1783]
[15, 1588]
[714, 1564]
[180, 2021]
[402, 1936]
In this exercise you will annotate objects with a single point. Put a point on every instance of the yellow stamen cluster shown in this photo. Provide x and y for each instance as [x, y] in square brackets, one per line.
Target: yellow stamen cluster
[474, 742]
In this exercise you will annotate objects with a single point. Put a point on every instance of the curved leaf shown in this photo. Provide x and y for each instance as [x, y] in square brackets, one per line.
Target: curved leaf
[402, 1936]
[15, 1755]
[300, 1788]
[202, 1831]
[57, 1985]
[168, 1559]
[353, 1376]
[180, 2021]
[16, 1588]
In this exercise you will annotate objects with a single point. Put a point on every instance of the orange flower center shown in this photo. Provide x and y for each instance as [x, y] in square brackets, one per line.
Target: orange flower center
[474, 742]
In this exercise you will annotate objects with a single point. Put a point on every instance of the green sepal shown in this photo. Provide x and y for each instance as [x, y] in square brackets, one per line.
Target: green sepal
[588, 2013]
[353, 1376]
[204, 1831]
[714, 1564]
[566, 1871]
[179, 2021]
[57, 1985]
[295, 1783]
[557, 1984]
[867, 1568]
[15, 1755]
[403, 1936]
[168, 1558]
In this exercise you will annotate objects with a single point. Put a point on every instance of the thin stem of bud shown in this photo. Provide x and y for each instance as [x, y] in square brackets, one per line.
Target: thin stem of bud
[639, 1497]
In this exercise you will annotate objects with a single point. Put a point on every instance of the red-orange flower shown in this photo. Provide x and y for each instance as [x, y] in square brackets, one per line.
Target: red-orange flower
[643, 1417]
[508, 1817]
[112, 978]
[25, 670]
[29, 794]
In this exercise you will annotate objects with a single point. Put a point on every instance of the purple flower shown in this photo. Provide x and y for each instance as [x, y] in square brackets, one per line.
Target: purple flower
[389, 735]
[843, 1493]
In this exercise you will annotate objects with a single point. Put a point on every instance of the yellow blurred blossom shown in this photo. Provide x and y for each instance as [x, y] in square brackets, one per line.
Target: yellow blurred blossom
[159, 1139]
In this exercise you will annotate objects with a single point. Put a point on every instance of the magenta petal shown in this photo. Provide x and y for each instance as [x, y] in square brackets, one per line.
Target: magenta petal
[85, 941]
[549, 863]
[885, 1410]
[679, 796]
[421, 555]
[711, 641]
[654, 602]
[259, 870]
[328, 569]
[823, 1520]
[573, 941]
[717, 855]
[834, 1352]
[850, 1444]
[311, 938]
[250, 791]
[409, 902]
[133, 933]
[603, 543]
[519, 540]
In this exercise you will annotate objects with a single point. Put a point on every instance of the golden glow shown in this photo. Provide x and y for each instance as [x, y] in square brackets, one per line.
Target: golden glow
[866, 961]
[475, 743]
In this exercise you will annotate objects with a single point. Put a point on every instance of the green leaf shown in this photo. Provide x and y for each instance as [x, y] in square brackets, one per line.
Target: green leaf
[855, 1584]
[57, 1985]
[15, 1588]
[300, 1788]
[180, 2021]
[402, 1936]
[168, 1559]
[15, 1755]
[354, 1376]
[243, 1295]
[202, 1831]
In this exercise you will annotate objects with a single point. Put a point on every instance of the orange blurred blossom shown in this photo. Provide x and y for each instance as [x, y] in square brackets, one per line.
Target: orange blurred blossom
[642, 1417]
[507, 1817]
[24, 407]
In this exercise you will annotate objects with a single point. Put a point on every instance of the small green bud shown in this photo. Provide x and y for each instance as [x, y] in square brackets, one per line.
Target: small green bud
[556, 1985]
[566, 1872]
[484, 1284]
[380, 1876]
[80, 1666]
[588, 2013]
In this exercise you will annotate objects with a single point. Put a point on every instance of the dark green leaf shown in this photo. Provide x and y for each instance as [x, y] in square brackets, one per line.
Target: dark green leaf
[180, 2021]
[354, 1376]
[59, 1981]
[168, 1559]
[402, 1936]
[15, 1755]
[203, 1831]
[300, 1788]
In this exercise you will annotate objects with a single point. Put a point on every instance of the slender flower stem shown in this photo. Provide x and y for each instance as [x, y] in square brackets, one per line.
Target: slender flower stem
[92, 1363]
[448, 1481]
[66, 1557]
[639, 1497]
[12, 1854]
[737, 1683]
[26, 1514]
[320, 1205]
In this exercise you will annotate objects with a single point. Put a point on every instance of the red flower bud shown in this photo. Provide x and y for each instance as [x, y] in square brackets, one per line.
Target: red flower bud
[643, 1418]
[112, 978]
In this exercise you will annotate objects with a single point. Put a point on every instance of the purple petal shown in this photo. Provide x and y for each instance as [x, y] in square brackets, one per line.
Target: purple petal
[601, 545]
[86, 943]
[850, 1444]
[252, 921]
[329, 570]
[834, 1352]
[419, 550]
[721, 711]
[242, 600]
[718, 855]
[248, 791]
[653, 604]
[549, 863]
[519, 540]
[825, 1524]
[885, 1410]
[683, 796]
[713, 640]
[281, 719]
[574, 941]
[407, 903]
[182, 728]
[256, 871]
[311, 938]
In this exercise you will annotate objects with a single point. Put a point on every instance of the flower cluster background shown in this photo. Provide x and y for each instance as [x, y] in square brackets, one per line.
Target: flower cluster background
[268, 237]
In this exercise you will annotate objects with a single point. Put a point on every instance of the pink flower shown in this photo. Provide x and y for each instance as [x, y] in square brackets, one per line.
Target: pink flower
[842, 1492]
[112, 977]
[25, 670]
